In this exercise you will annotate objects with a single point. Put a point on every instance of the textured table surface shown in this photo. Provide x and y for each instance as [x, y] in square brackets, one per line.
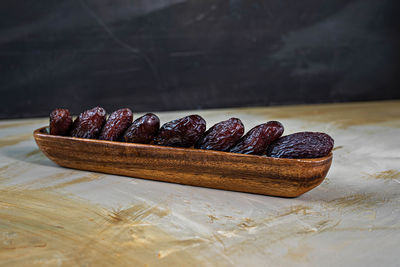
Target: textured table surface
[52, 216]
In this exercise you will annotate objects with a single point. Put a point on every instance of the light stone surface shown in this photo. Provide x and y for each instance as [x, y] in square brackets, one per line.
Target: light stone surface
[54, 216]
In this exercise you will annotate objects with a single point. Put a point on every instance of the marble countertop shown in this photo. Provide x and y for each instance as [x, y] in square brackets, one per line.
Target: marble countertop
[55, 216]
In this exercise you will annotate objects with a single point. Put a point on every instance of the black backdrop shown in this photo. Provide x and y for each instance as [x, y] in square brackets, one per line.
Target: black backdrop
[153, 55]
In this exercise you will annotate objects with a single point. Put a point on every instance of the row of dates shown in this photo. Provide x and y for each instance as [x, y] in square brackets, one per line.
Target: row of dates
[190, 131]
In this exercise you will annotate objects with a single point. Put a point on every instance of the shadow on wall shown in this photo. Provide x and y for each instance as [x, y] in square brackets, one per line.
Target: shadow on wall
[175, 54]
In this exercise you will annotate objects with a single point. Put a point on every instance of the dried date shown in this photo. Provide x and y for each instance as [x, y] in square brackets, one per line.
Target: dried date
[116, 125]
[256, 140]
[60, 121]
[222, 136]
[143, 130]
[301, 145]
[89, 123]
[184, 132]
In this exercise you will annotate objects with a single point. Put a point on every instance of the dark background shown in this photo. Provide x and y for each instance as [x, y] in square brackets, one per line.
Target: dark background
[153, 55]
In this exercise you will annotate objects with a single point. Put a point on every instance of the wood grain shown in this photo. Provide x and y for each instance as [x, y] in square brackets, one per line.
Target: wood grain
[213, 169]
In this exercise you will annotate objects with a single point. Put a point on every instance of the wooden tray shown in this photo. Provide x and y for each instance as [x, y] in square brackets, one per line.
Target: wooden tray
[214, 169]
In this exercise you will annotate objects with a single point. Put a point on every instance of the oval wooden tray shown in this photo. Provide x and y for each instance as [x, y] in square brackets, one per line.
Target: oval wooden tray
[213, 169]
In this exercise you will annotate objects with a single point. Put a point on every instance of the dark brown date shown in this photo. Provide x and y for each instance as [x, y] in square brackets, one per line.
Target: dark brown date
[89, 123]
[60, 121]
[301, 145]
[116, 125]
[143, 130]
[222, 136]
[184, 132]
[256, 140]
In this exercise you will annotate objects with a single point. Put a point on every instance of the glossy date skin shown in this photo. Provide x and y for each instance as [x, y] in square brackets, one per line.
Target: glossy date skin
[222, 136]
[301, 145]
[143, 130]
[89, 123]
[184, 132]
[256, 140]
[60, 121]
[116, 125]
